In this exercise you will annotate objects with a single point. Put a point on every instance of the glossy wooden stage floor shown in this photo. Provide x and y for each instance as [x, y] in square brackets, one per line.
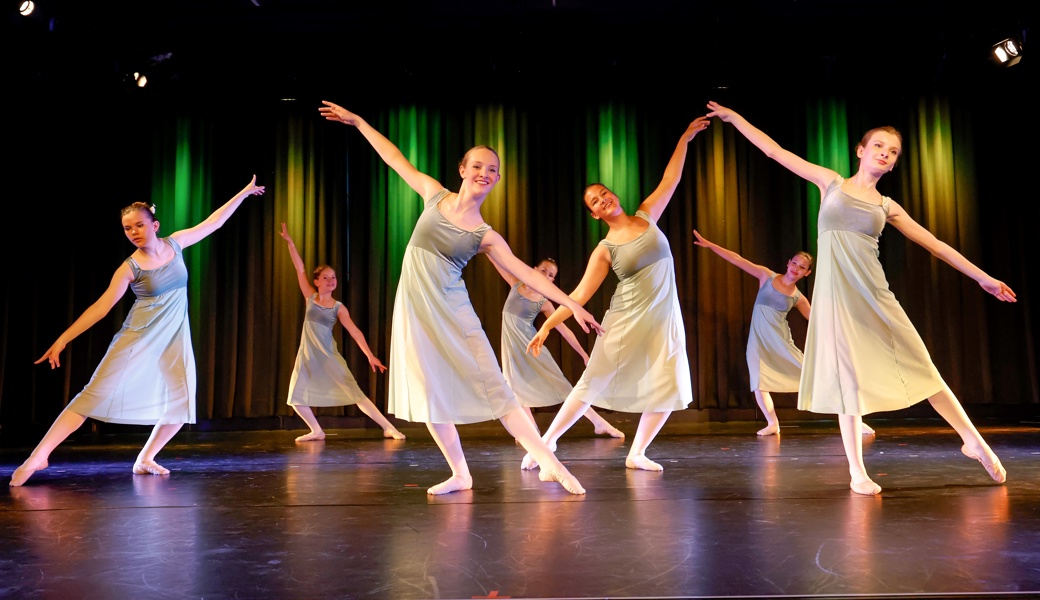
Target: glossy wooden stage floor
[255, 515]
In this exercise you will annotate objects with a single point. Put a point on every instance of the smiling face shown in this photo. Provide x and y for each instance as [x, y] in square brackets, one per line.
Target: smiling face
[879, 150]
[326, 281]
[799, 266]
[600, 201]
[479, 169]
[139, 226]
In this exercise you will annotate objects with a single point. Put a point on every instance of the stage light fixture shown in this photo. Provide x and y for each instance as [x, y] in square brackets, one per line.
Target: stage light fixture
[1008, 52]
[26, 8]
[140, 79]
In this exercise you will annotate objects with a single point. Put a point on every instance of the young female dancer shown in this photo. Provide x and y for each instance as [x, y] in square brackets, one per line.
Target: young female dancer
[320, 376]
[147, 376]
[774, 361]
[862, 353]
[443, 370]
[640, 364]
[537, 380]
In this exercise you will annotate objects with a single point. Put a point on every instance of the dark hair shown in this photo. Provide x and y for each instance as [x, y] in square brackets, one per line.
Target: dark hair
[585, 191]
[465, 157]
[146, 207]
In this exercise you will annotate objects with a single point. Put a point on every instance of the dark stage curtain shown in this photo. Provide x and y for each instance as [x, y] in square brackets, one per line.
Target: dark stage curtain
[345, 208]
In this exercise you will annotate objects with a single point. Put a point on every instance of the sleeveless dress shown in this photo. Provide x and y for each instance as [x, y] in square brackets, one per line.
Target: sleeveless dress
[862, 354]
[774, 362]
[320, 376]
[147, 375]
[639, 364]
[536, 380]
[442, 366]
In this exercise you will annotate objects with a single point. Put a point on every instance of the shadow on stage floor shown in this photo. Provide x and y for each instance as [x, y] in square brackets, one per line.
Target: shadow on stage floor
[256, 515]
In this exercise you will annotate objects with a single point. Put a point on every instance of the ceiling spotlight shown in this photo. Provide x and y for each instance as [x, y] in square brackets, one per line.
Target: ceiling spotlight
[26, 8]
[1008, 52]
[140, 79]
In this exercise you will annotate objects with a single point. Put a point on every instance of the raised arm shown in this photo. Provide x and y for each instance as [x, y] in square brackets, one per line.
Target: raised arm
[565, 332]
[595, 273]
[757, 271]
[821, 176]
[301, 271]
[116, 288]
[422, 183]
[359, 339]
[658, 200]
[918, 234]
[496, 246]
[193, 235]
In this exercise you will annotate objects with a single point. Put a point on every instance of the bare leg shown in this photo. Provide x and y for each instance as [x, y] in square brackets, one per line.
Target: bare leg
[601, 424]
[570, 411]
[949, 408]
[370, 409]
[63, 426]
[161, 434]
[447, 438]
[519, 426]
[852, 438]
[316, 434]
[765, 404]
[649, 424]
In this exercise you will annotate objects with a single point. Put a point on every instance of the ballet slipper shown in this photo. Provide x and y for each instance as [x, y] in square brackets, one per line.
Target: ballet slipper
[868, 430]
[769, 429]
[392, 433]
[562, 476]
[995, 469]
[314, 436]
[150, 467]
[865, 487]
[642, 463]
[24, 472]
[610, 430]
[528, 463]
[455, 483]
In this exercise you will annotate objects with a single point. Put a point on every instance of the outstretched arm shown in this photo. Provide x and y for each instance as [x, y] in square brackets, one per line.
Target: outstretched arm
[918, 234]
[116, 288]
[359, 339]
[301, 271]
[821, 176]
[548, 309]
[509, 277]
[757, 271]
[496, 246]
[595, 273]
[422, 183]
[658, 200]
[192, 235]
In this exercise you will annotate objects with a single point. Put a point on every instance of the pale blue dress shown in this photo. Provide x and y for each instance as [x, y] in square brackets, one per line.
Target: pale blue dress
[536, 380]
[774, 361]
[640, 364]
[147, 375]
[862, 354]
[320, 376]
[442, 366]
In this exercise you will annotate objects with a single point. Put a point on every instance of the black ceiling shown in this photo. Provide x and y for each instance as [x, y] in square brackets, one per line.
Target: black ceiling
[307, 47]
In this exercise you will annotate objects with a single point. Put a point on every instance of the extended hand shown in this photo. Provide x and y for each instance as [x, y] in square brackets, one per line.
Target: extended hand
[720, 111]
[252, 189]
[999, 289]
[335, 112]
[52, 355]
[375, 363]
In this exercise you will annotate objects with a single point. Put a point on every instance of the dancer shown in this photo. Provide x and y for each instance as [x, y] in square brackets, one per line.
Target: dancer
[640, 365]
[774, 361]
[147, 376]
[862, 353]
[320, 376]
[443, 370]
[537, 380]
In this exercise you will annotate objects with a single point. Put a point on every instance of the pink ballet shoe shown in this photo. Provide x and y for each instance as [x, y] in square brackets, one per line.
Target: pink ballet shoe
[393, 433]
[24, 472]
[564, 478]
[995, 469]
[150, 467]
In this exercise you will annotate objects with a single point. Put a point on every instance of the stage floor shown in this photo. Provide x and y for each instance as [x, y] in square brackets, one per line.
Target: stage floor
[256, 515]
